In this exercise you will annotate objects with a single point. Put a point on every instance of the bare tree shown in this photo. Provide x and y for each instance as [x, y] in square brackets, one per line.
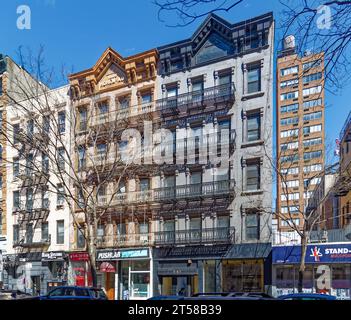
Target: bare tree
[324, 26]
[79, 161]
[188, 11]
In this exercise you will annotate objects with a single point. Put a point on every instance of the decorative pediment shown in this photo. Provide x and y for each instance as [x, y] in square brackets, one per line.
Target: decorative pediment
[114, 76]
[213, 48]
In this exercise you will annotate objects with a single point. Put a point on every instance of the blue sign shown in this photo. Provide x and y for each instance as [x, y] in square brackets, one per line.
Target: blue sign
[115, 254]
[316, 253]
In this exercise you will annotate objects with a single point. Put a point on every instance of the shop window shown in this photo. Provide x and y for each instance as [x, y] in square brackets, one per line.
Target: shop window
[285, 277]
[341, 277]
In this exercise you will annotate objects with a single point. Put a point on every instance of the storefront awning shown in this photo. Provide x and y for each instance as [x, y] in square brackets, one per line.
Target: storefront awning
[249, 251]
[316, 253]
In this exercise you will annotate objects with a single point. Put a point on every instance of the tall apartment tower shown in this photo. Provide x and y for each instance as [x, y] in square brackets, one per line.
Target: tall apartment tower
[300, 131]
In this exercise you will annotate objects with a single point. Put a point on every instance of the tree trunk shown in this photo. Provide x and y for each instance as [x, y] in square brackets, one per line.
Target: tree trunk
[302, 263]
[93, 268]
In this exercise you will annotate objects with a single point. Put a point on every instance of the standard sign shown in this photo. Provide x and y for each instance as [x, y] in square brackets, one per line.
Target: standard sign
[52, 256]
[107, 255]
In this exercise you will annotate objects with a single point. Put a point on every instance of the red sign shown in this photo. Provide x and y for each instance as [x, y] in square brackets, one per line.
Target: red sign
[107, 267]
[79, 256]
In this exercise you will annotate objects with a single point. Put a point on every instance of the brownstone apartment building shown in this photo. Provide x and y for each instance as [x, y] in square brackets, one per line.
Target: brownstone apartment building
[300, 130]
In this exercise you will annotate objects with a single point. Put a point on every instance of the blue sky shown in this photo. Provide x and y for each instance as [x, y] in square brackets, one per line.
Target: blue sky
[75, 33]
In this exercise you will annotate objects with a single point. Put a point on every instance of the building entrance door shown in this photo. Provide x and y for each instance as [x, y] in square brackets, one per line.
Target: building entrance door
[180, 285]
[110, 285]
[35, 285]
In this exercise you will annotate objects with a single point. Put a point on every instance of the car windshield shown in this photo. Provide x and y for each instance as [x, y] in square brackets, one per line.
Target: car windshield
[81, 292]
[98, 294]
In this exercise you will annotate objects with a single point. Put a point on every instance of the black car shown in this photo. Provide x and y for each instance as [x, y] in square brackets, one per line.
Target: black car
[74, 293]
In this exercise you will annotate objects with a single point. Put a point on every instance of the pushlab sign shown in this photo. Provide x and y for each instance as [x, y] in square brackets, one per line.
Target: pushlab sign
[108, 255]
[322, 253]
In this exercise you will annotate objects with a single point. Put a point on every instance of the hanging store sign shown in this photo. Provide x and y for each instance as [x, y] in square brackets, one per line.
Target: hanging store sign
[113, 254]
[316, 253]
[79, 256]
[52, 256]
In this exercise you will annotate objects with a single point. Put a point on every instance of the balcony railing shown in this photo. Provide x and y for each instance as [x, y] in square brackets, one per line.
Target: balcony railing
[196, 236]
[205, 189]
[27, 243]
[126, 240]
[189, 100]
[123, 113]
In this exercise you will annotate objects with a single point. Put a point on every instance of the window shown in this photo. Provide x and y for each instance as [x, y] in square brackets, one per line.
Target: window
[80, 238]
[290, 196]
[29, 165]
[16, 167]
[312, 155]
[100, 232]
[289, 133]
[16, 132]
[290, 209]
[16, 200]
[290, 184]
[289, 83]
[289, 95]
[253, 79]
[195, 178]
[123, 102]
[289, 108]
[294, 170]
[146, 98]
[312, 142]
[60, 195]
[312, 90]
[287, 71]
[62, 121]
[312, 64]
[29, 199]
[290, 222]
[83, 118]
[172, 91]
[45, 199]
[312, 129]
[60, 232]
[144, 184]
[312, 103]
[16, 233]
[101, 149]
[45, 163]
[29, 233]
[61, 159]
[81, 158]
[289, 146]
[312, 116]
[312, 77]
[312, 168]
[253, 127]
[253, 175]
[289, 158]
[289, 121]
[30, 128]
[197, 90]
[252, 224]
[46, 124]
[45, 231]
[311, 182]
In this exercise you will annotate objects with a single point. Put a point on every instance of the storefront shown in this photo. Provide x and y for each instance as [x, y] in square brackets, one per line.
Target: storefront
[193, 269]
[328, 269]
[125, 274]
[79, 269]
[57, 264]
[35, 272]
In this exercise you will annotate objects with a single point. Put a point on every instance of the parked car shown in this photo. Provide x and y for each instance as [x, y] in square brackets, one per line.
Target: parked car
[219, 296]
[13, 295]
[306, 296]
[231, 296]
[167, 298]
[74, 293]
